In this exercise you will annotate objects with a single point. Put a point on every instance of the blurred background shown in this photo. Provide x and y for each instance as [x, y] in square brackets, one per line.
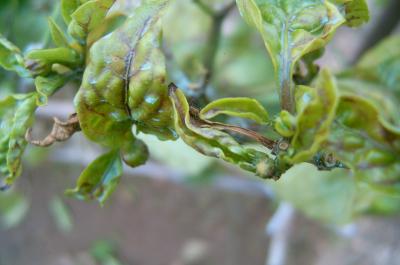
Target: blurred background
[182, 208]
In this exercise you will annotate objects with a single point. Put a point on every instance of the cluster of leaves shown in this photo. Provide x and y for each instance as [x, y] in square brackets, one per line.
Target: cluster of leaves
[121, 62]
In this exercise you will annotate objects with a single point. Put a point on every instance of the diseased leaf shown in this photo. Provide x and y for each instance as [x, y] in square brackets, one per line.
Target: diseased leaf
[87, 17]
[290, 30]
[16, 116]
[99, 179]
[59, 38]
[211, 139]
[11, 58]
[239, 107]
[47, 86]
[316, 108]
[124, 82]
[356, 12]
[365, 142]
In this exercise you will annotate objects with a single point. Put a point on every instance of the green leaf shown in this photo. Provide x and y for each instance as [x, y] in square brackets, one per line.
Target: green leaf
[210, 139]
[364, 141]
[61, 55]
[11, 58]
[67, 8]
[316, 108]
[239, 107]
[356, 12]
[99, 179]
[124, 82]
[16, 116]
[290, 29]
[134, 151]
[87, 17]
[47, 86]
[58, 36]
[382, 64]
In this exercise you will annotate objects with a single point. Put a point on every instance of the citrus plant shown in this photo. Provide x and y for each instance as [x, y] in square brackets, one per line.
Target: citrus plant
[128, 85]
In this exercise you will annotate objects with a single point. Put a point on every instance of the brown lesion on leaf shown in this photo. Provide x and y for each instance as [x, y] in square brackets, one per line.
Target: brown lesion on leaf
[61, 131]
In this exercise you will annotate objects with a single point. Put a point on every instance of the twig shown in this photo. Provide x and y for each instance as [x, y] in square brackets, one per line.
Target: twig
[213, 41]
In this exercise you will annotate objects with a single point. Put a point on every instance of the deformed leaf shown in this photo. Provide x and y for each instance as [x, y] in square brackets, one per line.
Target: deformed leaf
[239, 107]
[87, 17]
[11, 58]
[356, 12]
[365, 142]
[124, 82]
[316, 108]
[99, 179]
[47, 86]
[211, 139]
[16, 116]
[291, 29]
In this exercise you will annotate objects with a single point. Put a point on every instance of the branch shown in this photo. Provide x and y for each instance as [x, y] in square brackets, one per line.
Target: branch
[213, 41]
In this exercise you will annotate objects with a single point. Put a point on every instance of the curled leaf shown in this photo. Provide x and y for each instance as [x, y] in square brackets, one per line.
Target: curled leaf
[365, 142]
[16, 116]
[99, 179]
[239, 107]
[211, 139]
[87, 17]
[124, 82]
[291, 29]
[316, 108]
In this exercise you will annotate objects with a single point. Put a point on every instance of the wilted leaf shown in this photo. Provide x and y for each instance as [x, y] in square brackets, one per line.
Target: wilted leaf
[99, 179]
[240, 107]
[11, 58]
[16, 116]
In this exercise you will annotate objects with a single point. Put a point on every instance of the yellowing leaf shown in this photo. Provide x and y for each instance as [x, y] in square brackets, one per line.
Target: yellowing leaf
[239, 107]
